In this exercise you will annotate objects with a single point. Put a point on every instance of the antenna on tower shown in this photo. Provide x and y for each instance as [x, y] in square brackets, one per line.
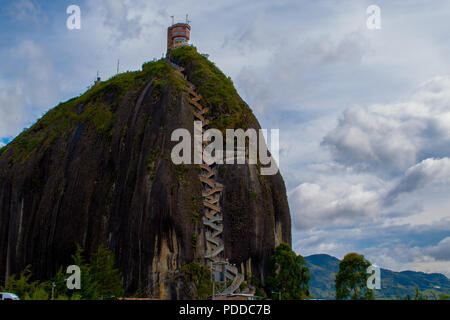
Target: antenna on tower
[98, 79]
[118, 62]
[187, 19]
[173, 19]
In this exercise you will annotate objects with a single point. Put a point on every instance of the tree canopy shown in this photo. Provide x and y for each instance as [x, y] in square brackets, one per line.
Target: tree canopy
[351, 280]
[289, 277]
[100, 279]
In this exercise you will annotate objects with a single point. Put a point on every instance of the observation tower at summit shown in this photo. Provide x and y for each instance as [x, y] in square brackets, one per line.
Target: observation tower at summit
[178, 34]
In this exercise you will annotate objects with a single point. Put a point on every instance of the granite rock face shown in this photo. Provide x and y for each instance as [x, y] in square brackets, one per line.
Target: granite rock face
[97, 169]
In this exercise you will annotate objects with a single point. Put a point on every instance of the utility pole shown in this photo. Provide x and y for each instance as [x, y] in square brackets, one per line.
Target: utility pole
[213, 276]
[53, 290]
[213, 280]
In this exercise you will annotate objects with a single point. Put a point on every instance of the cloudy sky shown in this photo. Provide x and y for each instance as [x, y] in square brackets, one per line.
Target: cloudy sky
[364, 115]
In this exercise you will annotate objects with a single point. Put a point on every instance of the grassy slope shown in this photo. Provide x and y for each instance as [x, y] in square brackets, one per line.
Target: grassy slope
[227, 109]
[98, 105]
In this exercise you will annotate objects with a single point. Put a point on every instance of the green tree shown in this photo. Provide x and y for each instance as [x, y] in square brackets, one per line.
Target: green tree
[418, 295]
[104, 272]
[197, 277]
[351, 279]
[89, 287]
[99, 280]
[289, 277]
[256, 283]
[444, 297]
[25, 288]
[40, 293]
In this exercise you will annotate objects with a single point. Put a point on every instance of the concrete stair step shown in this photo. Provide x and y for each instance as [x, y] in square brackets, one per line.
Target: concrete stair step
[199, 116]
[196, 104]
[218, 229]
[217, 242]
[209, 182]
[211, 191]
[211, 206]
[214, 253]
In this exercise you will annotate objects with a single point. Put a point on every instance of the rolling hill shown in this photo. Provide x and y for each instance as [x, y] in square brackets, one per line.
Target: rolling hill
[394, 285]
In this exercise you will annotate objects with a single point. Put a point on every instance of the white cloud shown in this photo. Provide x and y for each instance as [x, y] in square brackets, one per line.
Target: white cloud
[333, 203]
[428, 171]
[393, 137]
[27, 11]
[124, 18]
[284, 68]
[377, 149]
[36, 73]
[32, 87]
[401, 257]
[339, 196]
[441, 251]
[13, 111]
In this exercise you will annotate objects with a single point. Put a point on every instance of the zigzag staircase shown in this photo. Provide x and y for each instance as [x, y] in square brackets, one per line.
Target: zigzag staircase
[211, 193]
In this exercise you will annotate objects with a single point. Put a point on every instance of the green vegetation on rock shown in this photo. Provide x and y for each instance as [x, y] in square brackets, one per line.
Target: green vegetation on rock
[100, 279]
[151, 163]
[196, 209]
[218, 93]
[198, 276]
[181, 171]
[96, 107]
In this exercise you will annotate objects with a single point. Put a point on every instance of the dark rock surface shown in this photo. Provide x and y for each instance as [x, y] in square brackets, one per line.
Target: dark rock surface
[97, 169]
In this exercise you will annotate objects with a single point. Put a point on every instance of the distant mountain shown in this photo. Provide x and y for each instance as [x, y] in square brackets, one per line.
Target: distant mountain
[323, 269]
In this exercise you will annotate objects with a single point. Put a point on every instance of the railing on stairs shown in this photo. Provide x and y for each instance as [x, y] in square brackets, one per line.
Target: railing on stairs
[211, 193]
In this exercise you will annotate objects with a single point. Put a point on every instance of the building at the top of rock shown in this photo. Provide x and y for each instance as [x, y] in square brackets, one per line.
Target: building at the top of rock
[178, 34]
